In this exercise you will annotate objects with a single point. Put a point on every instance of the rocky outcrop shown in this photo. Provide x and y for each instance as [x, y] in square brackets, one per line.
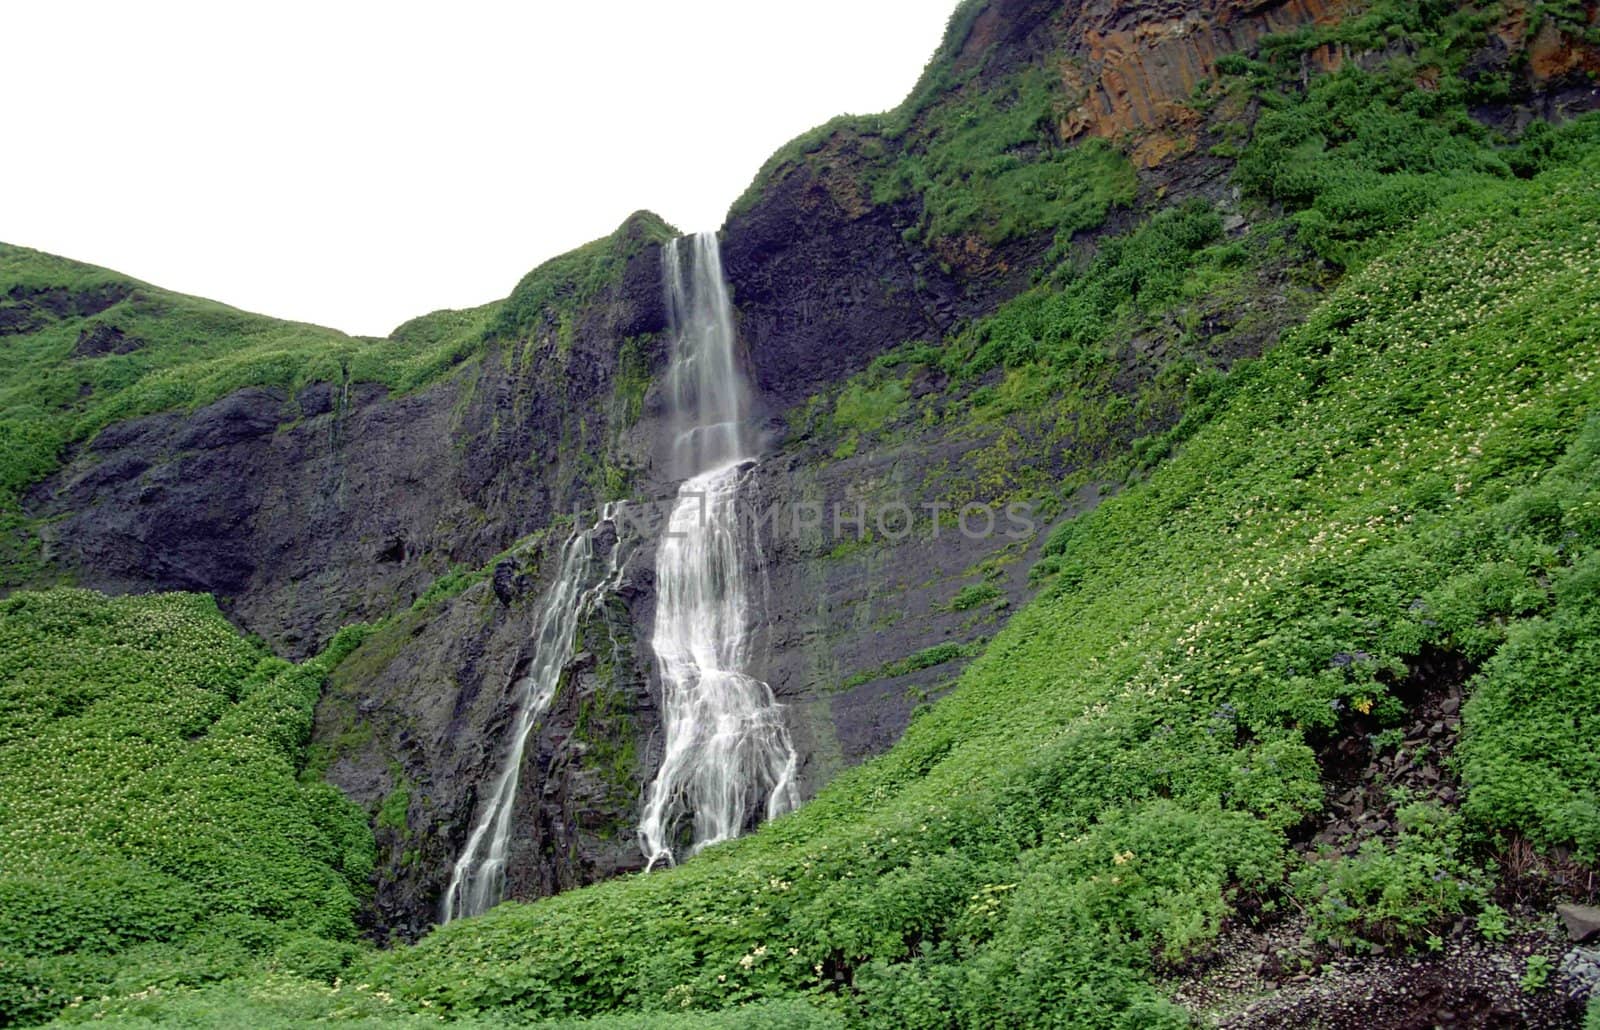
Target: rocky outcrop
[103, 338]
[824, 280]
[1581, 921]
[1135, 68]
[25, 309]
[1554, 55]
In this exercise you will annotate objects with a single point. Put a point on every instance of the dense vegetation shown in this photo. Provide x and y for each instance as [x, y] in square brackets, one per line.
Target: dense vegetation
[153, 830]
[972, 171]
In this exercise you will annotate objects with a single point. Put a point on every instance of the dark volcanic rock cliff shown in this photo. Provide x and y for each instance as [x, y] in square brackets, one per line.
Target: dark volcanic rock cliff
[825, 280]
[415, 724]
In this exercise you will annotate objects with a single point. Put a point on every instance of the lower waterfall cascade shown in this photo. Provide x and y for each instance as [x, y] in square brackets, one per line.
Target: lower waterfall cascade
[478, 879]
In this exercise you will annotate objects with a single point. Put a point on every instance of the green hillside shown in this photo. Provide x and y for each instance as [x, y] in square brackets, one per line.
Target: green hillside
[152, 826]
[1416, 471]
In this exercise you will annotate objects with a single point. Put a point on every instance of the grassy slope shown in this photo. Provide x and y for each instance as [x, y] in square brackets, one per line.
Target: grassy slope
[190, 352]
[1415, 468]
[152, 828]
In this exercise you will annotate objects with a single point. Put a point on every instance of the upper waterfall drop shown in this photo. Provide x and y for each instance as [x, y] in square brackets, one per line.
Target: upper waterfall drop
[728, 758]
[478, 880]
[707, 392]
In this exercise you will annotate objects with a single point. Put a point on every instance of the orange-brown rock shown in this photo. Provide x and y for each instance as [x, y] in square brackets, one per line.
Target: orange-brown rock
[969, 254]
[1137, 70]
[1513, 26]
[1553, 54]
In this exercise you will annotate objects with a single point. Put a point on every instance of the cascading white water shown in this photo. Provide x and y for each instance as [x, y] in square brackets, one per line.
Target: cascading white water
[728, 756]
[478, 881]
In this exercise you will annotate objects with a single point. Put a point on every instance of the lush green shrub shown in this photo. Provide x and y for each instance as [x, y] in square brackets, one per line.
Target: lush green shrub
[152, 823]
[864, 409]
[315, 958]
[1529, 754]
[1394, 895]
[971, 596]
[927, 658]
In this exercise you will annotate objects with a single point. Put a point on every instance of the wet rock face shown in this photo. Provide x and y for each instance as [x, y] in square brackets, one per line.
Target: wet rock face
[415, 724]
[590, 767]
[824, 281]
[425, 709]
[861, 628]
[416, 714]
[425, 705]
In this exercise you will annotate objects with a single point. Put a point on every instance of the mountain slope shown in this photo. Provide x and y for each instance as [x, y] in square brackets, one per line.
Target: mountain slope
[154, 826]
[1411, 473]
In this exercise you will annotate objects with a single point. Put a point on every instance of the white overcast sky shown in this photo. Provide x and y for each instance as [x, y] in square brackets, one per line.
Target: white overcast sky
[355, 164]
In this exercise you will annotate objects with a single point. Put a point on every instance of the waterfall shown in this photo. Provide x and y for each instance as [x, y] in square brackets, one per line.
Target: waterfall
[728, 758]
[478, 881]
